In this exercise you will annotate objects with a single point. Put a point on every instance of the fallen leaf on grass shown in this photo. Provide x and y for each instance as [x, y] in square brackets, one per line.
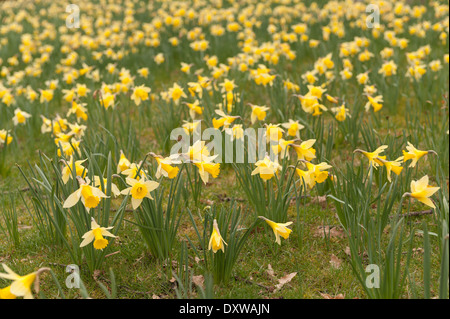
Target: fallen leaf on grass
[327, 296]
[198, 280]
[207, 202]
[328, 231]
[283, 281]
[348, 251]
[270, 271]
[335, 262]
[322, 200]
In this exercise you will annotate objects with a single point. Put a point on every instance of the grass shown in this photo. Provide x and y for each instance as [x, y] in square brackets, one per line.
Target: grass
[411, 113]
[140, 275]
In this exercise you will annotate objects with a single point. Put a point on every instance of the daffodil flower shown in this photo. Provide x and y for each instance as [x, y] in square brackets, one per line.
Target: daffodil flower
[21, 285]
[5, 137]
[332, 99]
[79, 110]
[315, 173]
[165, 167]
[279, 229]
[305, 150]
[273, 132]
[140, 93]
[316, 91]
[191, 127]
[135, 172]
[414, 154]
[308, 102]
[89, 195]
[227, 85]
[80, 170]
[5, 293]
[374, 157]
[176, 93]
[224, 120]
[258, 113]
[266, 168]
[375, 102]
[194, 108]
[96, 234]
[114, 189]
[123, 164]
[216, 241]
[319, 171]
[392, 166]
[341, 112]
[293, 128]
[20, 117]
[421, 191]
[206, 168]
[236, 132]
[281, 148]
[198, 152]
[139, 189]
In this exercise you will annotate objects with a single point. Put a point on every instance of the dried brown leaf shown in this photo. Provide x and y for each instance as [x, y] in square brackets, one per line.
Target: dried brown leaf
[283, 281]
[335, 262]
[327, 296]
[198, 280]
[328, 231]
[270, 271]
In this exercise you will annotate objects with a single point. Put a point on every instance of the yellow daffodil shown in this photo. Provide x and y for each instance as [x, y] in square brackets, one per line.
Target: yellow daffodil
[96, 235]
[80, 170]
[375, 102]
[135, 171]
[107, 100]
[224, 120]
[191, 127]
[316, 91]
[282, 148]
[89, 195]
[176, 93]
[20, 117]
[258, 113]
[392, 166]
[123, 164]
[98, 183]
[305, 150]
[314, 173]
[374, 157]
[5, 137]
[273, 132]
[341, 113]
[198, 152]
[139, 189]
[266, 168]
[207, 168]
[21, 285]
[414, 154]
[194, 108]
[216, 241]
[165, 167]
[5, 293]
[140, 93]
[79, 110]
[293, 128]
[421, 191]
[279, 229]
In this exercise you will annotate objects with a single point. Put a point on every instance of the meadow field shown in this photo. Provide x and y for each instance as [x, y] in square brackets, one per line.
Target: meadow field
[277, 149]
